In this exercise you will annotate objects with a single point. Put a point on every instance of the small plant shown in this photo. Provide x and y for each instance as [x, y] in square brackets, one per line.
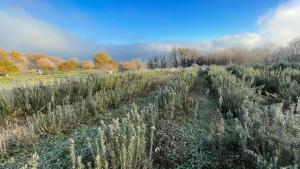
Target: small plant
[123, 143]
[174, 100]
[33, 162]
[231, 91]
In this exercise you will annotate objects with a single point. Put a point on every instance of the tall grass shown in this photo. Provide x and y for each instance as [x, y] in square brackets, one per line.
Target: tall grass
[280, 85]
[27, 100]
[120, 143]
[64, 117]
[173, 100]
[249, 133]
[123, 143]
[231, 91]
[267, 134]
[264, 136]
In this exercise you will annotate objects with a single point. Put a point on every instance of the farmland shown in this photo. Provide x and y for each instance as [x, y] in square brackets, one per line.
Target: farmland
[16, 79]
[150, 84]
[235, 116]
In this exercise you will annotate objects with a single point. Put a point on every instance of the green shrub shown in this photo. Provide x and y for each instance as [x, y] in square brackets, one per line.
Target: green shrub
[278, 83]
[31, 99]
[174, 101]
[122, 143]
[270, 132]
[52, 110]
[231, 91]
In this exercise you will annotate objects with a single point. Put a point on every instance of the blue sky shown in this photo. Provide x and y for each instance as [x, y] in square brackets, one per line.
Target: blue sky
[145, 24]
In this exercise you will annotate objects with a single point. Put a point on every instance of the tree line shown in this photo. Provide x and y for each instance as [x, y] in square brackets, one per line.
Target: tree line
[186, 57]
[15, 62]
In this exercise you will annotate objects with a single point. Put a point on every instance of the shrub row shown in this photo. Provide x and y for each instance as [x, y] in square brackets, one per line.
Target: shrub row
[66, 116]
[27, 100]
[261, 136]
[124, 143]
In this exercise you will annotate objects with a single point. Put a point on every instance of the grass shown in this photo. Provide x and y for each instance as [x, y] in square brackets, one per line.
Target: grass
[5, 81]
[184, 119]
[54, 147]
[26, 78]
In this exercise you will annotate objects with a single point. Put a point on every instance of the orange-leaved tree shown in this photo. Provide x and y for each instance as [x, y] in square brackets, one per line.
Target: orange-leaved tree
[3, 55]
[87, 65]
[68, 65]
[20, 60]
[57, 60]
[104, 61]
[132, 65]
[44, 63]
[8, 67]
[16, 56]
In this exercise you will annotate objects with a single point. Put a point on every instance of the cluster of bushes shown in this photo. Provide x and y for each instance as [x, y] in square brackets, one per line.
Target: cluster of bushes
[8, 67]
[279, 84]
[27, 99]
[186, 57]
[55, 109]
[117, 143]
[132, 65]
[87, 65]
[104, 61]
[124, 143]
[13, 62]
[232, 91]
[68, 65]
[259, 135]
[174, 100]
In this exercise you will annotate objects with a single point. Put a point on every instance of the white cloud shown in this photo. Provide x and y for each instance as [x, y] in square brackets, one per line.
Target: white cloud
[247, 40]
[282, 24]
[20, 31]
[277, 26]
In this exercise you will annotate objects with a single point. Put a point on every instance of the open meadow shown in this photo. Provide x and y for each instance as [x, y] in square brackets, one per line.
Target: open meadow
[150, 84]
[33, 78]
[227, 117]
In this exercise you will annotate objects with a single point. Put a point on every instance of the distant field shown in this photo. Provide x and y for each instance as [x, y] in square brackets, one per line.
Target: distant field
[19, 79]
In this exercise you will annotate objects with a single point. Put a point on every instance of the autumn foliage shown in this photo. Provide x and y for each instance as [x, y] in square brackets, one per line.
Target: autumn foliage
[13, 61]
[8, 67]
[87, 65]
[45, 63]
[105, 62]
[68, 65]
[3, 55]
[132, 65]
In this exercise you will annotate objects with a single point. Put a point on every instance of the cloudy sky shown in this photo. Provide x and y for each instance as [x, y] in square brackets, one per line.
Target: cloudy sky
[143, 28]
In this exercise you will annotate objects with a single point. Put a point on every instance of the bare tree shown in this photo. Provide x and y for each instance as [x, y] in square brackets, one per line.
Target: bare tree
[174, 57]
[188, 56]
[163, 61]
[294, 50]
